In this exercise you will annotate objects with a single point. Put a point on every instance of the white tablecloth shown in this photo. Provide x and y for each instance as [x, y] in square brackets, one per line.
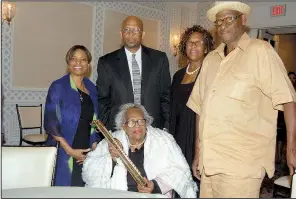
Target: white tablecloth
[73, 192]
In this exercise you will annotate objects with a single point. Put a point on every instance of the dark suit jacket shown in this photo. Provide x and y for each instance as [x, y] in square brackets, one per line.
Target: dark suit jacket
[115, 86]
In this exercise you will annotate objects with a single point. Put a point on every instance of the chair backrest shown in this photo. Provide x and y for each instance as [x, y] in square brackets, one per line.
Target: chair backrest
[29, 116]
[24, 167]
[293, 188]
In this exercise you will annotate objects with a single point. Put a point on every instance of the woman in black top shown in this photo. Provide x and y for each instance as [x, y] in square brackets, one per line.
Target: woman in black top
[195, 43]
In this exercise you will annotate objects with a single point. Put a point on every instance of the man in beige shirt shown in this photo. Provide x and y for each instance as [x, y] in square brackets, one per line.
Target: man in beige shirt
[242, 86]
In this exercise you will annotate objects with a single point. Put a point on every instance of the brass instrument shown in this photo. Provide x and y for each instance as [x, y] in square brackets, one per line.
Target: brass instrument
[132, 169]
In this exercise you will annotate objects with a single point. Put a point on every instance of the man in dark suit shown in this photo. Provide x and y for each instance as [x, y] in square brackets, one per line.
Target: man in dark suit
[134, 73]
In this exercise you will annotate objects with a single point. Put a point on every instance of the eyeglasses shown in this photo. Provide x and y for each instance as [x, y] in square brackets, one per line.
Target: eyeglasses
[228, 20]
[190, 44]
[75, 60]
[134, 31]
[132, 123]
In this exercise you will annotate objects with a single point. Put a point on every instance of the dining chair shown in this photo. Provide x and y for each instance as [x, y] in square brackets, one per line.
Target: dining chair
[282, 187]
[30, 119]
[28, 166]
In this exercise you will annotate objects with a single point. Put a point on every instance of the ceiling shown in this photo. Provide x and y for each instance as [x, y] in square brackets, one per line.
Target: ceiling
[282, 30]
[184, 4]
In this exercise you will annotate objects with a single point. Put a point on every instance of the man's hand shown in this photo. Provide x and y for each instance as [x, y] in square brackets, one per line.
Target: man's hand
[112, 150]
[149, 187]
[195, 167]
[291, 158]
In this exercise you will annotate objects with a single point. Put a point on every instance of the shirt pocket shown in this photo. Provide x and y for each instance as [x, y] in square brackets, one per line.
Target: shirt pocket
[241, 87]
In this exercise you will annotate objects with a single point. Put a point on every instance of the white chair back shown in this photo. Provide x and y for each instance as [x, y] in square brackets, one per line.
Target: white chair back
[293, 191]
[24, 167]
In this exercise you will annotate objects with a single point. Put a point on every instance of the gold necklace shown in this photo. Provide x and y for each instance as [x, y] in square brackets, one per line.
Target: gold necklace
[82, 87]
[135, 145]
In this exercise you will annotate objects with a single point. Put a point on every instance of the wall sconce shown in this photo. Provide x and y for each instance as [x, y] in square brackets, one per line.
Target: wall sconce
[8, 11]
[175, 41]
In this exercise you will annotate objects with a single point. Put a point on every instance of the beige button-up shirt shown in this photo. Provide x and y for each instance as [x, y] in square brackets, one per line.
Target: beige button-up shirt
[237, 98]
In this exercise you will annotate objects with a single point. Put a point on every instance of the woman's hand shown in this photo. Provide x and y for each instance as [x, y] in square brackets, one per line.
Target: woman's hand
[79, 154]
[75, 153]
[94, 146]
[149, 187]
[195, 167]
[112, 150]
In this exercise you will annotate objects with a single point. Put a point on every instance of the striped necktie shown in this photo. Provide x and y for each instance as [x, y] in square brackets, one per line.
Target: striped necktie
[136, 80]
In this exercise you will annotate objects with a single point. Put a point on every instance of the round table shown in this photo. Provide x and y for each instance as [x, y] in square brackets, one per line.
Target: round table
[73, 192]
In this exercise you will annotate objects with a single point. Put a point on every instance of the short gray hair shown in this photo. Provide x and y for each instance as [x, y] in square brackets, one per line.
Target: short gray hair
[120, 117]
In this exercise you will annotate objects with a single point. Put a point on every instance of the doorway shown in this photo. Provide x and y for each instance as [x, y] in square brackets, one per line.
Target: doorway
[283, 39]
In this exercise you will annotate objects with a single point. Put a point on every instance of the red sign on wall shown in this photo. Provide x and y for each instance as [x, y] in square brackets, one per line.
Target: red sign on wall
[278, 10]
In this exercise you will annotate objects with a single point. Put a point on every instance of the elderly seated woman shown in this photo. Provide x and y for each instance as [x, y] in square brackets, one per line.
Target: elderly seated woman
[153, 151]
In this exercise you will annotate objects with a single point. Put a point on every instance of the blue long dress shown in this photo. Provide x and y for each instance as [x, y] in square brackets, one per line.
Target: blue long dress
[61, 118]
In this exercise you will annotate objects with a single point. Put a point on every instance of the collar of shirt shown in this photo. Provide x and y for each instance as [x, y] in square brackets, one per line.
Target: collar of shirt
[138, 57]
[242, 44]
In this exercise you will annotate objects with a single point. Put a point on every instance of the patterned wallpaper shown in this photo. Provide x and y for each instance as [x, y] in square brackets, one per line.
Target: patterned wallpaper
[202, 9]
[173, 19]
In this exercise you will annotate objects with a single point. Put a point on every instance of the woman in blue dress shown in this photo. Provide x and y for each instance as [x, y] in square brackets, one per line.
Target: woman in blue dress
[71, 105]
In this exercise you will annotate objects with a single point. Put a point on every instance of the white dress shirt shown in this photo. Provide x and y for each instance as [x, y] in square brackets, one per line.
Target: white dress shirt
[138, 59]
